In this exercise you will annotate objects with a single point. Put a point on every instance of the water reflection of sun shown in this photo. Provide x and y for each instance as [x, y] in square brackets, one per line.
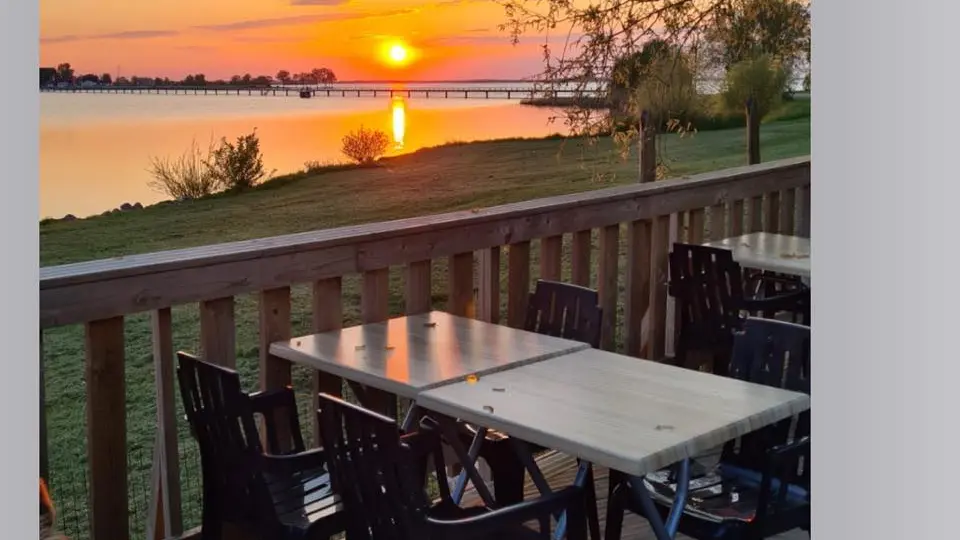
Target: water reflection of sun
[398, 111]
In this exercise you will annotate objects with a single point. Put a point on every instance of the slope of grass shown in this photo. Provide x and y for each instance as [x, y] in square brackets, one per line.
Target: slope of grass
[460, 176]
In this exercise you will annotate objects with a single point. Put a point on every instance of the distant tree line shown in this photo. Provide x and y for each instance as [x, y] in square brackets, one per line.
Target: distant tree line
[64, 73]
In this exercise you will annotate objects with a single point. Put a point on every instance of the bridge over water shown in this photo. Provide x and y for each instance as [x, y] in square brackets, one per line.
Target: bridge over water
[461, 92]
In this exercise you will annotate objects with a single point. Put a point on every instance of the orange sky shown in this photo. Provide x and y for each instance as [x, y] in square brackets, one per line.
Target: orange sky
[450, 39]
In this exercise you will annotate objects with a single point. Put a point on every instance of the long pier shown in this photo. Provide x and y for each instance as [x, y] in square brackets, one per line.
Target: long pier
[332, 91]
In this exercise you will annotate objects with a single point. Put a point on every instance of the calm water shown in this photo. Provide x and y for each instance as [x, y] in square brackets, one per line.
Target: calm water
[95, 148]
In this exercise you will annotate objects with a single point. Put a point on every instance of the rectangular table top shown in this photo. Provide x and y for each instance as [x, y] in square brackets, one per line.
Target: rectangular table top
[408, 354]
[616, 411]
[767, 251]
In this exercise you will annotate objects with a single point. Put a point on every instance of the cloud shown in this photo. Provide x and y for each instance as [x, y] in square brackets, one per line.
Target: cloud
[301, 19]
[133, 34]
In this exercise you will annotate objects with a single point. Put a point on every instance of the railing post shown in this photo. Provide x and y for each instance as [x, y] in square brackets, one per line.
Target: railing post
[418, 287]
[166, 519]
[695, 232]
[756, 214]
[717, 222]
[659, 247]
[107, 429]
[518, 283]
[551, 253]
[772, 221]
[580, 258]
[788, 211]
[275, 372]
[460, 298]
[736, 218]
[218, 332]
[327, 316]
[638, 285]
[374, 308]
[488, 296]
[803, 227]
[607, 284]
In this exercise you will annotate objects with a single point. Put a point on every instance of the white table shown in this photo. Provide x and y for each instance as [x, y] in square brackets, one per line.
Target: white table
[772, 252]
[407, 355]
[631, 415]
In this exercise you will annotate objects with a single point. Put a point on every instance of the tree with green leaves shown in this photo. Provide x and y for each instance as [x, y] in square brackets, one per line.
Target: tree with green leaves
[600, 33]
[759, 79]
[64, 72]
[747, 29]
[658, 79]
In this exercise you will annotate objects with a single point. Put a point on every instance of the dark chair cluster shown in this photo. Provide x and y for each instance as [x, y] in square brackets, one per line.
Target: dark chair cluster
[370, 479]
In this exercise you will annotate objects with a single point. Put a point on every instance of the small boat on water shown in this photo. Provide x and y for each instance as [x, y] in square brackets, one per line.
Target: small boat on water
[306, 94]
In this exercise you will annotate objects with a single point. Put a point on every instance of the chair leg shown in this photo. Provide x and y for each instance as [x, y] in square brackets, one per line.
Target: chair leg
[615, 509]
[507, 472]
[593, 517]
[577, 522]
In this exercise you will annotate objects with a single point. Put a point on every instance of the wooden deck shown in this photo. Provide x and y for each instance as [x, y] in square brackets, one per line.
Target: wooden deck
[559, 470]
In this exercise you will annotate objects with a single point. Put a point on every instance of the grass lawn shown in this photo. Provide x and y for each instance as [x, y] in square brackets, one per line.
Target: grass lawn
[435, 180]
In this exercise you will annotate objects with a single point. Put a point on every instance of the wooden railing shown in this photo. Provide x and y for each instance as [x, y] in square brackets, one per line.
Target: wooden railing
[774, 197]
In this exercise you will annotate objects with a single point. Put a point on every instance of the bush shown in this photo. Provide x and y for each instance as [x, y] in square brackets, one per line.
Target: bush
[365, 146]
[237, 166]
[186, 177]
[762, 79]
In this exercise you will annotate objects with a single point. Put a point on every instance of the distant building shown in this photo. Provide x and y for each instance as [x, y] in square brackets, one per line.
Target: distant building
[48, 76]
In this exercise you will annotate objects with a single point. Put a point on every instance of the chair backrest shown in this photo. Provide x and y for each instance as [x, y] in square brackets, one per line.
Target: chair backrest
[221, 419]
[708, 286]
[771, 353]
[565, 310]
[369, 470]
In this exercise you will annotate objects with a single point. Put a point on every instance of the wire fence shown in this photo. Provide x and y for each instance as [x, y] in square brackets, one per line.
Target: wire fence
[70, 491]
[70, 487]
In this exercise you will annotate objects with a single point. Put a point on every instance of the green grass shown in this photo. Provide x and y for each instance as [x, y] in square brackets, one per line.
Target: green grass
[460, 176]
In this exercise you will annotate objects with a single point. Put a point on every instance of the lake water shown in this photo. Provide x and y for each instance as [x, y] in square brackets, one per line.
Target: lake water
[95, 149]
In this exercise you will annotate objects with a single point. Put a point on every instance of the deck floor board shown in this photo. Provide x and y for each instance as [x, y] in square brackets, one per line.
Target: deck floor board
[559, 470]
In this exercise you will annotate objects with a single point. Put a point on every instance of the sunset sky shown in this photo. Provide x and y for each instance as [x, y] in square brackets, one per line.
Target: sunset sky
[446, 39]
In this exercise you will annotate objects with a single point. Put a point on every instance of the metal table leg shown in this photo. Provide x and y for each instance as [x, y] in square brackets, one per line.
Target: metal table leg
[448, 427]
[664, 530]
[536, 475]
[411, 419]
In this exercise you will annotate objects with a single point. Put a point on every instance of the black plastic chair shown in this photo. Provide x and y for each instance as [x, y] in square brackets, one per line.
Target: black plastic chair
[761, 485]
[708, 287]
[555, 309]
[566, 311]
[378, 473]
[283, 495]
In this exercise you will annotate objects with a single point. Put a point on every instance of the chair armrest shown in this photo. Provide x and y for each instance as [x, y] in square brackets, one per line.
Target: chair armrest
[485, 524]
[293, 463]
[268, 400]
[279, 410]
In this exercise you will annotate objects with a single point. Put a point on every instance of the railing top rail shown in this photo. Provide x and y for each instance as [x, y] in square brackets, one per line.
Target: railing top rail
[55, 276]
[108, 287]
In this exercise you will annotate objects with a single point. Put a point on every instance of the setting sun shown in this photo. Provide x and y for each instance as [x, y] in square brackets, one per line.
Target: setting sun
[398, 54]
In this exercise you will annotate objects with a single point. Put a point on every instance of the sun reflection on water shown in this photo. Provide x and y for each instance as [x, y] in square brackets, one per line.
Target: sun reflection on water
[398, 109]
